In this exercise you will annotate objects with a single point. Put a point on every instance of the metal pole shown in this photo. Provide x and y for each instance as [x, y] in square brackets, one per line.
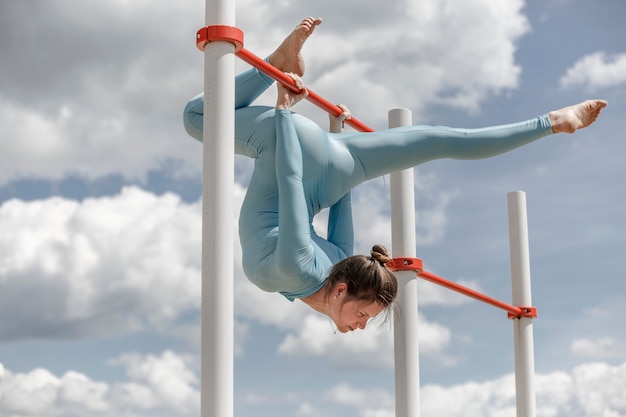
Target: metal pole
[406, 343]
[523, 326]
[217, 337]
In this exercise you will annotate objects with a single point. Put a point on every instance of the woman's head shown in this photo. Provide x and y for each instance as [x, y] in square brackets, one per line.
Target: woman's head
[361, 287]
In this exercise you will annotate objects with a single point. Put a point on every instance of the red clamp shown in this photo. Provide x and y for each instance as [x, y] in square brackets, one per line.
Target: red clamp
[526, 312]
[219, 33]
[406, 264]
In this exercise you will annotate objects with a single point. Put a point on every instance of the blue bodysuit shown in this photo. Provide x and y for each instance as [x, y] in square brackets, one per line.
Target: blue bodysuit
[300, 169]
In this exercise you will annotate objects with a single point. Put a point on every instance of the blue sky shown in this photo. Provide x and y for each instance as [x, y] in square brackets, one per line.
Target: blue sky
[100, 214]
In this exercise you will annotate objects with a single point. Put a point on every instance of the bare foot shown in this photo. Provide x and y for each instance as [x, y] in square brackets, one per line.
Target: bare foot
[288, 57]
[570, 119]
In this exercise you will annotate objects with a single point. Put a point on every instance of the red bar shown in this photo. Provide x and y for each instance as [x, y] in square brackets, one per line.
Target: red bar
[279, 76]
[514, 311]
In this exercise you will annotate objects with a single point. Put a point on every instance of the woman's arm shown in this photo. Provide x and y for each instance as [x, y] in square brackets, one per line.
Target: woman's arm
[294, 252]
[340, 226]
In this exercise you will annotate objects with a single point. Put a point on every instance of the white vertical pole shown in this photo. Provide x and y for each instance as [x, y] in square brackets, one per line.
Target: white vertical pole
[217, 369]
[406, 343]
[522, 327]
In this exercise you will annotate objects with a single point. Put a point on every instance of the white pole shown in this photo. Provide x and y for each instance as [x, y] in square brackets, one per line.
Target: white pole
[522, 327]
[217, 337]
[406, 343]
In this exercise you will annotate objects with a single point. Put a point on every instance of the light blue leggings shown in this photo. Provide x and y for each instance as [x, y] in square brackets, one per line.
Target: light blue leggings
[300, 169]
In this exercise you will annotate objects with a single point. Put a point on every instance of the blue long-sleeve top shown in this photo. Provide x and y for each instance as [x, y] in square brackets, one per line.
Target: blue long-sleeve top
[300, 169]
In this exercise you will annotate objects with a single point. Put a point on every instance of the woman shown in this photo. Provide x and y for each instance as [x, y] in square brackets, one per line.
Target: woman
[300, 169]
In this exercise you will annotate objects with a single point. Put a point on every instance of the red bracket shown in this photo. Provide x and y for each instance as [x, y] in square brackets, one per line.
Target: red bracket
[219, 33]
[526, 312]
[406, 264]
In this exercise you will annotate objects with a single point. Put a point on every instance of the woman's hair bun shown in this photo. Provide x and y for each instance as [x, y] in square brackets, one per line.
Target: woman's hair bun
[379, 252]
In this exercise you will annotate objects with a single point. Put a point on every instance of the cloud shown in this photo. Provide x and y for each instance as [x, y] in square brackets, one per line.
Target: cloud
[98, 267]
[165, 384]
[371, 348]
[440, 55]
[114, 87]
[602, 348]
[158, 381]
[348, 351]
[596, 71]
[109, 266]
[110, 100]
[373, 402]
[116, 265]
[592, 389]
[306, 410]
[373, 225]
[157, 386]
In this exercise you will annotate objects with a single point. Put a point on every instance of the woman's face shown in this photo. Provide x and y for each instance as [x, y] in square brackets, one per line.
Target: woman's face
[352, 314]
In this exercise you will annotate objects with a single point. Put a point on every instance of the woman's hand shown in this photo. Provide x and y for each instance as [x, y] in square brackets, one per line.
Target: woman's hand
[287, 98]
[336, 123]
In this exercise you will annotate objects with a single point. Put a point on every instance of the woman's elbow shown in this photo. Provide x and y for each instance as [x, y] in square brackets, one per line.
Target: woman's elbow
[295, 263]
[192, 121]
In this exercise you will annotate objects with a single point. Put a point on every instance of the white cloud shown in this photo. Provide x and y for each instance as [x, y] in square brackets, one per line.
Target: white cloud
[307, 409]
[41, 393]
[373, 402]
[100, 266]
[356, 349]
[112, 265]
[589, 399]
[602, 348]
[116, 107]
[471, 399]
[433, 337]
[594, 389]
[164, 384]
[596, 71]
[371, 204]
[157, 386]
[110, 101]
[158, 381]
[371, 348]
[454, 55]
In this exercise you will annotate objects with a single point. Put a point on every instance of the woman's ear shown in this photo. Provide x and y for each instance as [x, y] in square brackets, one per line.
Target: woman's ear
[340, 290]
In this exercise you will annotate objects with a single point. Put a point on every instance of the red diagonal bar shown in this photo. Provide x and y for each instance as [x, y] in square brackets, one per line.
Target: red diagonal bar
[416, 265]
[514, 311]
[281, 77]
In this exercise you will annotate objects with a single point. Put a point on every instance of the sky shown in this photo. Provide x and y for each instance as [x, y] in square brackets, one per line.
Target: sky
[100, 210]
